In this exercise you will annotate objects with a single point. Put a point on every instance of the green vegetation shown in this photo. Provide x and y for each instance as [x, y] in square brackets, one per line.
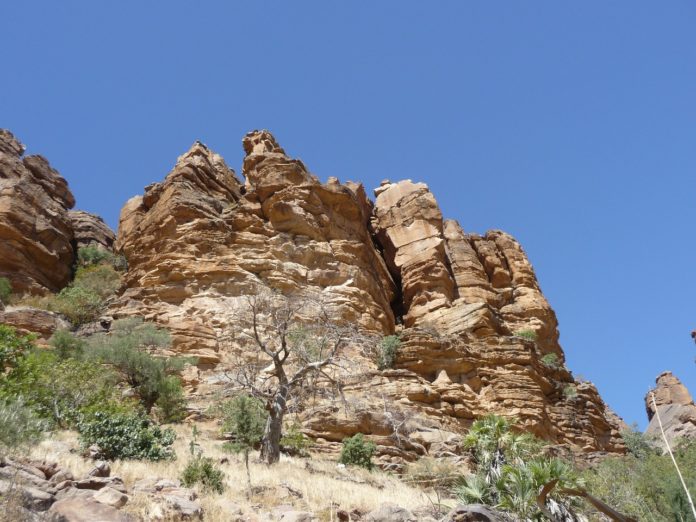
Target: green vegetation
[388, 350]
[245, 417]
[97, 278]
[550, 360]
[294, 442]
[66, 345]
[127, 436]
[511, 470]
[152, 377]
[19, 425]
[202, 470]
[357, 451]
[570, 391]
[527, 334]
[13, 347]
[94, 255]
[644, 483]
[5, 290]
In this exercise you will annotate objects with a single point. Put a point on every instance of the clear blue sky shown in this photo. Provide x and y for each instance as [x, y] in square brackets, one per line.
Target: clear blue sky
[570, 125]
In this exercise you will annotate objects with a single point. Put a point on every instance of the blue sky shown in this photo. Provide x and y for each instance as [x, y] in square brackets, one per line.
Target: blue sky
[569, 125]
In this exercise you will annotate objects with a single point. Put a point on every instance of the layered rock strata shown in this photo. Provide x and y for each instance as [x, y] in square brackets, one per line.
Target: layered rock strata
[91, 230]
[36, 249]
[477, 334]
[675, 406]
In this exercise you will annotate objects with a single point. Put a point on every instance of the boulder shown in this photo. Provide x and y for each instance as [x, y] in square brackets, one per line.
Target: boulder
[78, 509]
[389, 512]
[111, 497]
[675, 406]
[474, 513]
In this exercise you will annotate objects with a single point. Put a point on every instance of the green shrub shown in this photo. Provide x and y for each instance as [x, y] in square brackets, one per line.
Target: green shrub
[5, 289]
[79, 305]
[101, 280]
[150, 376]
[528, 334]
[171, 401]
[13, 347]
[294, 442]
[245, 417]
[388, 350]
[570, 391]
[356, 451]
[19, 425]
[550, 360]
[203, 471]
[94, 255]
[127, 436]
[67, 346]
[61, 391]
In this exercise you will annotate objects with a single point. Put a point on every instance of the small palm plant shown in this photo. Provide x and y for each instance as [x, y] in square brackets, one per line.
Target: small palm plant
[512, 471]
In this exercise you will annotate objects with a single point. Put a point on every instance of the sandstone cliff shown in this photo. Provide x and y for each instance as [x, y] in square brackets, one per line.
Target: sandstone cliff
[39, 234]
[36, 251]
[478, 336]
[675, 407]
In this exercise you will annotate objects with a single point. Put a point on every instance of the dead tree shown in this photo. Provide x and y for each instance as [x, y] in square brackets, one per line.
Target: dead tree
[300, 341]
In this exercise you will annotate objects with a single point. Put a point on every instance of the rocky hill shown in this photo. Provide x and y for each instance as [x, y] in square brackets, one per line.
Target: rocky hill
[477, 334]
[675, 406]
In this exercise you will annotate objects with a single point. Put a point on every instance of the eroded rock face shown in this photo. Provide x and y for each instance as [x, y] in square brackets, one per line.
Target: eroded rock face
[36, 252]
[200, 241]
[477, 334]
[675, 406]
[90, 230]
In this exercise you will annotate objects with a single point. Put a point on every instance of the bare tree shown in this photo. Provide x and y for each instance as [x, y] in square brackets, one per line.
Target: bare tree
[301, 342]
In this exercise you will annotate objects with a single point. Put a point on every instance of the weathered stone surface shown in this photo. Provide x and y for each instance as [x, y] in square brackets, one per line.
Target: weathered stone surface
[474, 513]
[111, 497]
[33, 320]
[389, 512]
[36, 252]
[465, 305]
[77, 509]
[675, 406]
[200, 241]
[91, 230]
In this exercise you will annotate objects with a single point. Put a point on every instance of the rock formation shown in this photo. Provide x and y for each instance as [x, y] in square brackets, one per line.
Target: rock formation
[675, 406]
[36, 250]
[90, 230]
[477, 334]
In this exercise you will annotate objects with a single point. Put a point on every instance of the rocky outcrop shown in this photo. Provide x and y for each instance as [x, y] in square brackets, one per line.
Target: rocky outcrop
[90, 230]
[36, 250]
[477, 334]
[33, 320]
[675, 406]
[200, 241]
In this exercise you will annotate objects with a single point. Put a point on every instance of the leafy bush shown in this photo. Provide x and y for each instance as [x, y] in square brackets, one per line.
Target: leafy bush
[528, 334]
[13, 347]
[171, 401]
[357, 451]
[67, 346]
[127, 436]
[101, 280]
[202, 470]
[19, 425]
[5, 289]
[152, 378]
[294, 442]
[61, 391]
[638, 444]
[388, 349]
[646, 487]
[94, 255]
[79, 305]
[550, 360]
[244, 417]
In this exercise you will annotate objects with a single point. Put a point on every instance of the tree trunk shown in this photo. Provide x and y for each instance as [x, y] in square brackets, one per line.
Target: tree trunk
[270, 444]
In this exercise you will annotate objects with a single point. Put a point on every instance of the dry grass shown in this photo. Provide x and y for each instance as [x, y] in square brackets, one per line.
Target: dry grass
[322, 487]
